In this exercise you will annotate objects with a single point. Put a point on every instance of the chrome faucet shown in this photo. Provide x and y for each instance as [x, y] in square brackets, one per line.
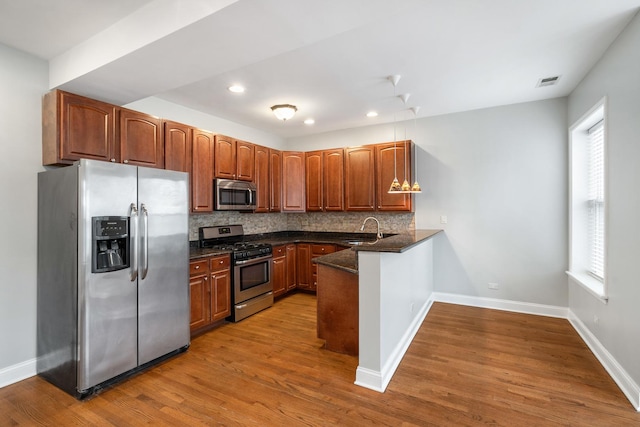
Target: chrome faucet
[379, 235]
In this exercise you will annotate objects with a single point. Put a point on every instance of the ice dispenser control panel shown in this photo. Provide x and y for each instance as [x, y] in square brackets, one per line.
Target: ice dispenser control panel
[110, 241]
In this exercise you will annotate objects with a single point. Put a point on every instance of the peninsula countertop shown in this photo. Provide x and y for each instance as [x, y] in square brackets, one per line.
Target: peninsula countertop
[347, 260]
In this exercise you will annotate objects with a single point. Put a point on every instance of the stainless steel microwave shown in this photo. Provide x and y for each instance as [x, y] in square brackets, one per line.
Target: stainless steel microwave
[234, 195]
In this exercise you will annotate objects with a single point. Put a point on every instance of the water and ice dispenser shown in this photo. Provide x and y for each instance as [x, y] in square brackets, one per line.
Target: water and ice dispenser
[110, 243]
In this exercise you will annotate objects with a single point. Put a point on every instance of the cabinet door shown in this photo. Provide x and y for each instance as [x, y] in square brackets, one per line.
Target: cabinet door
[316, 251]
[177, 146]
[262, 179]
[141, 140]
[199, 288]
[202, 171]
[359, 182]
[225, 157]
[245, 161]
[313, 181]
[293, 181]
[387, 170]
[275, 179]
[303, 254]
[278, 275]
[75, 127]
[220, 295]
[292, 267]
[333, 180]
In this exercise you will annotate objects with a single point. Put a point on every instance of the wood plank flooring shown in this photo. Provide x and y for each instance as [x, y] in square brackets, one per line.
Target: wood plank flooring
[466, 366]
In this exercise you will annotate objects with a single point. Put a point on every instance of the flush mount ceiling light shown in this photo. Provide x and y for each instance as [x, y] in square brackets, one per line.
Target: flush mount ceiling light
[372, 114]
[309, 122]
[284, 111]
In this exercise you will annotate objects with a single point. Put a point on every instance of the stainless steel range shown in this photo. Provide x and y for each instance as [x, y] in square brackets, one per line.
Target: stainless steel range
[251, 287]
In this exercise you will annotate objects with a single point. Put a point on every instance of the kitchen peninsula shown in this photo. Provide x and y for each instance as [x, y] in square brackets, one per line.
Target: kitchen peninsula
[394, 280]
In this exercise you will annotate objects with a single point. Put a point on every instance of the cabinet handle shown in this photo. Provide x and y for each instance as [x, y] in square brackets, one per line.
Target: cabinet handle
[126, 161]
[222, 262]
[205, 278]
[113, 160]
[197, 267]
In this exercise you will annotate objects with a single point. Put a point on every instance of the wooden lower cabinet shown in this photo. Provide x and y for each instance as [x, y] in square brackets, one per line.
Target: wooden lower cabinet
[304, 275]
[279, 270]
[292, 267]
[308, 271]
[283, 272]
[210, 286]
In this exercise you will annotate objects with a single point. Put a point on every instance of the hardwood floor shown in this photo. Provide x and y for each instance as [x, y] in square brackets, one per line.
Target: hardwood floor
[466, 366]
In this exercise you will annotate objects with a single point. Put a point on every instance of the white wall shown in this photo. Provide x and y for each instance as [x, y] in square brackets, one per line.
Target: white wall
[168, 110]
[499, 175]
[23, 81]
[617, 75]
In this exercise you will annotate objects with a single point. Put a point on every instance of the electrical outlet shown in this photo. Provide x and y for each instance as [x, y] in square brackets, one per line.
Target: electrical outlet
[494, 286]
[443, 219]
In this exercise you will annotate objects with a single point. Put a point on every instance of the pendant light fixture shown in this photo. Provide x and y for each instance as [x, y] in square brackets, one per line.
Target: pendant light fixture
[415, 188]
[395, 185]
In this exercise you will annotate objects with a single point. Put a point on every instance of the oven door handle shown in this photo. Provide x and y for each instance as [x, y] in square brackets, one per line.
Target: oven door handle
[254, 260]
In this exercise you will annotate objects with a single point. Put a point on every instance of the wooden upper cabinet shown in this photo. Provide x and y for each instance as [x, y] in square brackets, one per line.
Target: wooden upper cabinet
[293, 182]
[313, 181]
[275, 179]
[75, 127]
[359, 178]
[202, 171]
[234, 159]
[225, 157]
[141, 141]
[262, 179]
[387, 169]
[245, 160]
[177, 146]
[333, 180]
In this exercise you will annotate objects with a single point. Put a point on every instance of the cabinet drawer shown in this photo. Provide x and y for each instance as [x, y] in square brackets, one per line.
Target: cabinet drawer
[322, 249]
[198, 267]
[279, 251]
[220, 263]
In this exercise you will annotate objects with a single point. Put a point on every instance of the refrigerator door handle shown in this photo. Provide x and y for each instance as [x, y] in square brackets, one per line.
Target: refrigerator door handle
[133, 243]
[145, 241]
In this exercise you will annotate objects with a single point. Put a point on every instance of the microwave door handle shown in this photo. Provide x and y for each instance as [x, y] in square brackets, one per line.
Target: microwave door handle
[145, 242]
[133, 242]
[250, 196]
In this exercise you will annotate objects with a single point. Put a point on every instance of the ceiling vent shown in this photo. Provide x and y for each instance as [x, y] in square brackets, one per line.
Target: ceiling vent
[548, 81]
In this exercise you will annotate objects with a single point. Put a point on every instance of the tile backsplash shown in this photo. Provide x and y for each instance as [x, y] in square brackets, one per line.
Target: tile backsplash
[390, 222]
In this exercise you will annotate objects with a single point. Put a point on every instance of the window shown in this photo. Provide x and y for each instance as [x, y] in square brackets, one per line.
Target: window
[587, 139]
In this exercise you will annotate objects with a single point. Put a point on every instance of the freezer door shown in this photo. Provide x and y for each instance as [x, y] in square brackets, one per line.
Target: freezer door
[163, 277]
[107, 309]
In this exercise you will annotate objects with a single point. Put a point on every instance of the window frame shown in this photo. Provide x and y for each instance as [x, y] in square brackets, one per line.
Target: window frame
[579, 253]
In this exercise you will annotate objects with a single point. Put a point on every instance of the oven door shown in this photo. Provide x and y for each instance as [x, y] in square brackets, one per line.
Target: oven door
[251, 278]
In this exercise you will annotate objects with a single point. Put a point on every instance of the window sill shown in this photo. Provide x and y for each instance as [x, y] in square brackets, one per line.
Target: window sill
[593, 286]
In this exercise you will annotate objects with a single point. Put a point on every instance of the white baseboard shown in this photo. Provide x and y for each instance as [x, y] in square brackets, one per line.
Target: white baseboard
[500, 304]
[379, 380]
[17, 372]
[617, 372]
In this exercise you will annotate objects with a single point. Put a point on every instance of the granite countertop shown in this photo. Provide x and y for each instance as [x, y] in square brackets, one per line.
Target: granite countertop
[346, 259]
[287, 237]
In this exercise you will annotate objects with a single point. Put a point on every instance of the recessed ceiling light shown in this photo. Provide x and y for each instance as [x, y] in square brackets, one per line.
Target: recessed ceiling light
[372, 114]
[236, 89]
[309, 122]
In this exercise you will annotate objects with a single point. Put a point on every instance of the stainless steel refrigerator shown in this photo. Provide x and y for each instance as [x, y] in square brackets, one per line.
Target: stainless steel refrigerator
[113, 272]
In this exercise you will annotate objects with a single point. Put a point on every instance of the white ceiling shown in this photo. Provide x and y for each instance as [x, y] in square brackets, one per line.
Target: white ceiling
[330, 58]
